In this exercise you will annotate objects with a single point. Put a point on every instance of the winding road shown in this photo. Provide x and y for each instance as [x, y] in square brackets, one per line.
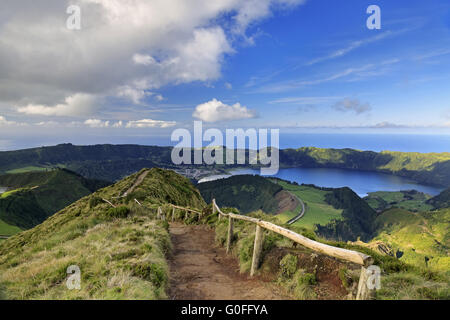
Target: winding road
[300, 215]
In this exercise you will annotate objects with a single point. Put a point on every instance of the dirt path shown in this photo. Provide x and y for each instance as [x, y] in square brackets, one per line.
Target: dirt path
[136, 183]
[201, 270]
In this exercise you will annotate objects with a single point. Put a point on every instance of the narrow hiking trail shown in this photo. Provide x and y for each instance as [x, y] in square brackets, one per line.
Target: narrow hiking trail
[199, 269]
[136, 183]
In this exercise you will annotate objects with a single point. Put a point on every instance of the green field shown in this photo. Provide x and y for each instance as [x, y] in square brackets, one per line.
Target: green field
[27, 169]
[8, 230]
[317, 210]
[408, 200]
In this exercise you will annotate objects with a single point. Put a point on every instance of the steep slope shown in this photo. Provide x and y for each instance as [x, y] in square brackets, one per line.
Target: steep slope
[421, 239]
[442, 200]
[120, 251]
[245, 192]
[37, 195]
[358, 216]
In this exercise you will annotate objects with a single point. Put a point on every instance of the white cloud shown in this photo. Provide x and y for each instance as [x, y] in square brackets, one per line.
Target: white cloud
[214, 110]
[76, 105]
[4, 122]
[134, 94]
[228, 85]
[121, 44]
[118, 124]
[144, 59]
[353, 105]
[150, 123]
[95, 123]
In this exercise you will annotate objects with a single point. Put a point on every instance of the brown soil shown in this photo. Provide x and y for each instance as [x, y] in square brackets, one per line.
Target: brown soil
[329, 284]
[201, 270]
[286, 201]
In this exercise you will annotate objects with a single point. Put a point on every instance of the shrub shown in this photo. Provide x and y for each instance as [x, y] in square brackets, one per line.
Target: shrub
[308, 279]
[94, 201]
[119, 212]
[288, 266]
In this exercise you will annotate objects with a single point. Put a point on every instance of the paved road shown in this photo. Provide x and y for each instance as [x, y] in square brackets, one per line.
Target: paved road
[302, 212]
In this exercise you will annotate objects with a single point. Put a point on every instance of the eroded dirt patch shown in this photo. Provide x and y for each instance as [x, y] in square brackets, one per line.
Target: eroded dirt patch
[286, 201]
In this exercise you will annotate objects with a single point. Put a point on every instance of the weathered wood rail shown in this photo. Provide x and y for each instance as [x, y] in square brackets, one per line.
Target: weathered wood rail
[365, 261]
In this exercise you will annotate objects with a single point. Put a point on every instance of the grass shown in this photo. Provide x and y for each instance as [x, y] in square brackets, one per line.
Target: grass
[409, 200]
[421, 239]
[27, 169]
[317, 210]
[401, 279]
[121, 252]
[8, 230]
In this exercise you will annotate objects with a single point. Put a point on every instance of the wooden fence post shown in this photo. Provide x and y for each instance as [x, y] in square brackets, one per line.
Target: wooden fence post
[257, 248]
[185, 215]
[158, 216]
[230, 233]
[173, 214]
[364, 292]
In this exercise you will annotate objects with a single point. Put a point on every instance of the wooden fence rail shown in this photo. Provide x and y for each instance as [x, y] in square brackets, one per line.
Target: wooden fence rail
[352, 256]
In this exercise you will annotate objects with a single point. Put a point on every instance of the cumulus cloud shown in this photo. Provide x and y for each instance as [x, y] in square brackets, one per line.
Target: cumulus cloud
[150, 123]
[121, 45]
[353, 105]
[76, 105]
[215, 110]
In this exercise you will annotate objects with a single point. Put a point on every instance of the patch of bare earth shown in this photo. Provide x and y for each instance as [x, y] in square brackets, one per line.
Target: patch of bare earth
[286, 201]
[329, 284]
[199, 269]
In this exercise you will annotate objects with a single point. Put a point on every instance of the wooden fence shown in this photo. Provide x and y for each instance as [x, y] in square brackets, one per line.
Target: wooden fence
[365, 261]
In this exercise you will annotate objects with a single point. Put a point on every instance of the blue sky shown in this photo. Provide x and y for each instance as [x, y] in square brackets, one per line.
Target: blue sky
[302, 66]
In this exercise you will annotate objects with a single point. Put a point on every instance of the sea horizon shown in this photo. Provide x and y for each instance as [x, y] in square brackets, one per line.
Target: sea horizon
[377, 142]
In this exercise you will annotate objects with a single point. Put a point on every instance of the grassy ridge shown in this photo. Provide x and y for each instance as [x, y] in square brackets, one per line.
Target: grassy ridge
[245, 192]
[37, 195]
[121, 252]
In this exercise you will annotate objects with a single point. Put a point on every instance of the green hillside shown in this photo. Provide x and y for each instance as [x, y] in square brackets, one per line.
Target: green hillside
[442, 200]
[410, 200]
[120, 252]
[357, 216]
[34, 196]
[428, 168]
[318, 211]
[421, 239]
[245, 192]
[112, 162]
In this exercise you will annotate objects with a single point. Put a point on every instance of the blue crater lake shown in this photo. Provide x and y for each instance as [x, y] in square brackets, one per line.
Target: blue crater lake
[362, 182]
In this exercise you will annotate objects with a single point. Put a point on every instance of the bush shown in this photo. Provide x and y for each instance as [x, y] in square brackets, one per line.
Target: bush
[94, 201]
[119, 212]
[308, 279]
[288, 266]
